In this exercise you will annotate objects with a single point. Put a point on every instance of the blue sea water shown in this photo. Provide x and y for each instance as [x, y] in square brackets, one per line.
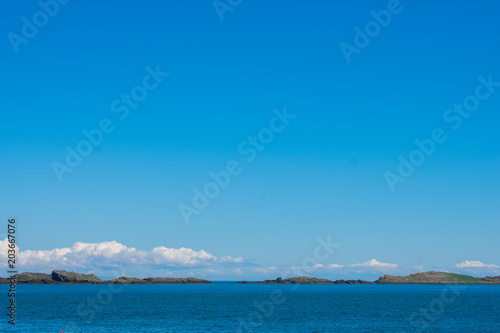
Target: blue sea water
[228, 307]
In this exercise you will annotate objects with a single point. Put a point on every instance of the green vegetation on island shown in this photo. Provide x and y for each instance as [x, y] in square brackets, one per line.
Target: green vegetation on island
[63, 277]
[158, 280]
[418, 278]
[436, 278]
[72, 277]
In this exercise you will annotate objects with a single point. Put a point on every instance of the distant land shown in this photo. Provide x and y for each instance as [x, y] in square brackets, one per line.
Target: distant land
[64, 277]
[295, 280]
[437, 278]
[418, 278]
[306, 280]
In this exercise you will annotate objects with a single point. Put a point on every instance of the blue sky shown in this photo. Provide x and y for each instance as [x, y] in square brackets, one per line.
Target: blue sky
[323, 175]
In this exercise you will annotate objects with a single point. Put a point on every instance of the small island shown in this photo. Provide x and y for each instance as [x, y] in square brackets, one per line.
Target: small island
[437, 278]
[418, 278]
[306, 280]
[158, 280]
[64, 277]
[295, 280]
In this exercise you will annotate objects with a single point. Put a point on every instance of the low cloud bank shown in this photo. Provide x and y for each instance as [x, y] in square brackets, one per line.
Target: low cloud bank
[91, 256]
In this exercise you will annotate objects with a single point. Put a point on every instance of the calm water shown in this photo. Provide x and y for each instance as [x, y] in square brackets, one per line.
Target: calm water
[226, 307]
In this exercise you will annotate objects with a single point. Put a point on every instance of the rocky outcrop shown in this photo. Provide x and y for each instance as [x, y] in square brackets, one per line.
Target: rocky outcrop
[436, 278]
[127, 280]
[418, 278]
[352, 282]
[159, 280]
[306, 280]
[29, 278]
[491, 279]
[57, 277]
[64, 277]
[176, 281]
[72, 277]
[295, 280]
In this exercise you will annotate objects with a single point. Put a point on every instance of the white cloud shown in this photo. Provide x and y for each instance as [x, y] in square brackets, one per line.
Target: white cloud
[474, 264]
[228, 259]
[367, 264]
[213, 271]
[317, 266]
[179, 257]
[374, 263]
[112, 254]
[266, 270]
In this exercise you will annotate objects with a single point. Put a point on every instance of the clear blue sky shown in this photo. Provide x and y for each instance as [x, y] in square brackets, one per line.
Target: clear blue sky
[323, 175]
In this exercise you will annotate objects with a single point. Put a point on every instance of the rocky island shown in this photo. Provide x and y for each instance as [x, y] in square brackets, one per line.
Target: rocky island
[63, 277]
[437, 278]
[158, 280]
[295, 280]
[306, 280]
[418, 278]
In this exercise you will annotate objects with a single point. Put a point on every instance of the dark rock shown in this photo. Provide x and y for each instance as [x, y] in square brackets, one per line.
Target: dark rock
[353, 282]
[176, 281]
[65, 277]
[295, 280]
[59, 276]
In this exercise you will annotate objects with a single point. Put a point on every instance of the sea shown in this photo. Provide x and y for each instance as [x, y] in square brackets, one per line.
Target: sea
[230, 307]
